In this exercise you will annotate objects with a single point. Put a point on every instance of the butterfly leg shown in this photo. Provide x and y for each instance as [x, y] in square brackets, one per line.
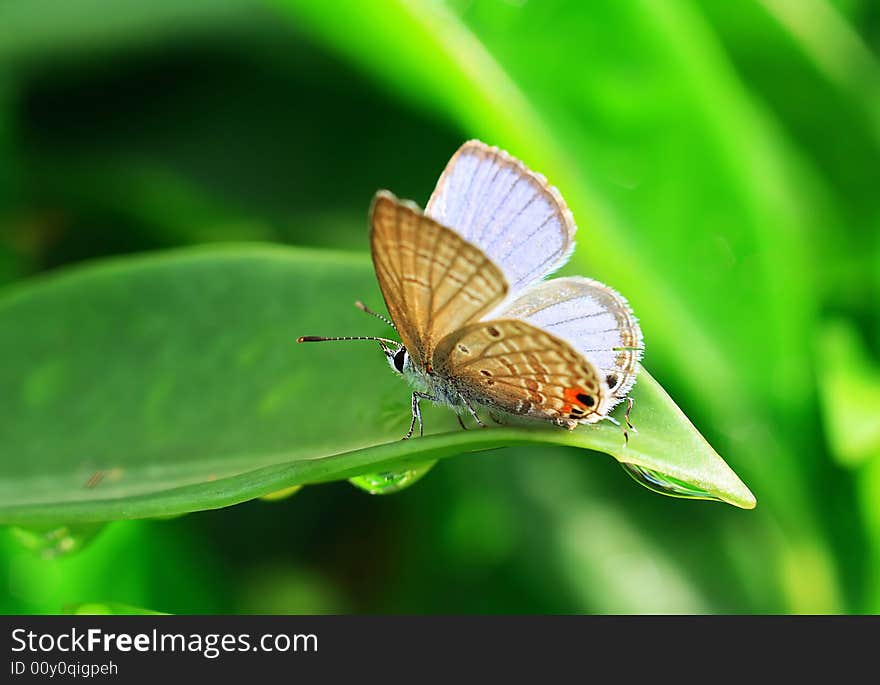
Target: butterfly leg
[417, 414]
[629, 408]
[627, 426]
[617, 423]
[472, 412]
[460, 421]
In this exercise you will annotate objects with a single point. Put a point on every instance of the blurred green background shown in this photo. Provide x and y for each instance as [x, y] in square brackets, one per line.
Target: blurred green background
[721, 160]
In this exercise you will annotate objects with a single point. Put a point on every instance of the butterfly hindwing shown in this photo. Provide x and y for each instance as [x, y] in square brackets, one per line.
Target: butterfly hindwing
[433, 282]
[495, 202]
[520, 369]
[594, 319]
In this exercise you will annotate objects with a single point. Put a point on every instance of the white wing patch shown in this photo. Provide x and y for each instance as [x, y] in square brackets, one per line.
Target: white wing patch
[591, 317]
[495, 202]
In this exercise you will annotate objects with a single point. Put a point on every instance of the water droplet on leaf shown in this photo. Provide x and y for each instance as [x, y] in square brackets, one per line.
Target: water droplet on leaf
[50, 542]
[388, 482]
[666, 485]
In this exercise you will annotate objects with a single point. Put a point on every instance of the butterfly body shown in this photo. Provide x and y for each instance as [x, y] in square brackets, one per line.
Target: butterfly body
[464, 284]
[442, 390]
[435, 382]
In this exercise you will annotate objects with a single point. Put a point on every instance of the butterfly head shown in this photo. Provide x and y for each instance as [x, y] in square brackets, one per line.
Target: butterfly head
[398, 358]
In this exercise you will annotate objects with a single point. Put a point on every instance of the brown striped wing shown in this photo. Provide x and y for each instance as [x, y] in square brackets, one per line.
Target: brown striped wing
[432, 280]
[522, 370]
[596, 320]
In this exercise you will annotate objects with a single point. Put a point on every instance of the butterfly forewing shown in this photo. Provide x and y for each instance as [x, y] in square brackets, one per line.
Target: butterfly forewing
[511, 213]
[518, 368]
[433, 282]
[594, 319]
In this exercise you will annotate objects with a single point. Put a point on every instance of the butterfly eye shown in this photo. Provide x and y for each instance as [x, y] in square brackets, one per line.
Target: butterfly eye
[399, 359]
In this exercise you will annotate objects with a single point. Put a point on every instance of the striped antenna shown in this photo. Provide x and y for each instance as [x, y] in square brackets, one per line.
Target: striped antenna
[364, 308]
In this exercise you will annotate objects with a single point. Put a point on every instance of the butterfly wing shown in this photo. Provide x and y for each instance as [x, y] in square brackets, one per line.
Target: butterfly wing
[495, 202]
[593, 319]
[523, 370]
[433, 281]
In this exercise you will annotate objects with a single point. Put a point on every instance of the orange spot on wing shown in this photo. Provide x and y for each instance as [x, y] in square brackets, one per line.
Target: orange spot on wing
[578, 396]
[570, 395]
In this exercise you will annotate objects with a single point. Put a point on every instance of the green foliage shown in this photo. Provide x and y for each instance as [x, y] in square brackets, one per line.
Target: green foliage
[95, 609]
[850, 394]
[164, 385]
[720, 159]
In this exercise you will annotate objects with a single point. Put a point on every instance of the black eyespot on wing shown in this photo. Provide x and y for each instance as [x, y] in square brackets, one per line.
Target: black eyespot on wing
[399, 359]
[611, 380]
[585, 399]
[494, 332]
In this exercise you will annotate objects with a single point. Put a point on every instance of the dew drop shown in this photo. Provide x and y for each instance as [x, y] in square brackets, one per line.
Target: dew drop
[388, 482]
[666, 485]
[51, 542]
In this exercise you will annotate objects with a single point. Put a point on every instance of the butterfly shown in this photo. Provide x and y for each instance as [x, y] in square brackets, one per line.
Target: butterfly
[479, 326]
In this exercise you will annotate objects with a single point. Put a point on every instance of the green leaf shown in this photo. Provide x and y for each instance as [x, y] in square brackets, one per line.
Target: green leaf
[110, 609]
[160, 385]
[836, 50]
[59, 27]
[53, 541]
[869, 495]
[850, 394]
[116, 565]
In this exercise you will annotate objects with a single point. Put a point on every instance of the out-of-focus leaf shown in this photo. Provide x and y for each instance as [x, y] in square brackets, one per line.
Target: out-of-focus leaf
[850, 394]
[155, 386]
[52, 28]
[110, 609]
[9, 262]
[608, 560]
[49, 542]
[118, 566]
[869, 495]
[175, 209]
[835, 48]
[162, 159]
[808, 64]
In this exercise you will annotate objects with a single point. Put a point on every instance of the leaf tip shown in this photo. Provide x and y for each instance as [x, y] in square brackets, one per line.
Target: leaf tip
[748, 501]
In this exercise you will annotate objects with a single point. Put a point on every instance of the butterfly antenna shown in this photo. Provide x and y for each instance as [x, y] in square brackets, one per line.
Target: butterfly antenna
[321, 338]
[388, 346]
[364, 308]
